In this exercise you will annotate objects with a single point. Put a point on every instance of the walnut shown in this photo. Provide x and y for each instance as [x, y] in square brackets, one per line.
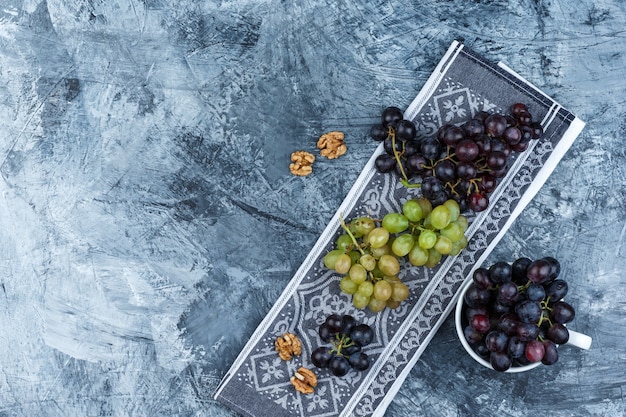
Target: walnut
[331, 145]
[301, 163]
[288, 345]
[304, 381]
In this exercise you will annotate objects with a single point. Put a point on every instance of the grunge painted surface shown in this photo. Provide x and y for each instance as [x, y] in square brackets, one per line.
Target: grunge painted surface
[148, 219]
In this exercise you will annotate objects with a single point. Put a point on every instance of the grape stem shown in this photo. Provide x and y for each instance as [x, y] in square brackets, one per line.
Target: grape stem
[341, 342]
[349, 233]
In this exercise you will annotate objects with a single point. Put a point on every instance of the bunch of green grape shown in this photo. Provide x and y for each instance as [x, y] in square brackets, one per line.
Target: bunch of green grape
[368, 252]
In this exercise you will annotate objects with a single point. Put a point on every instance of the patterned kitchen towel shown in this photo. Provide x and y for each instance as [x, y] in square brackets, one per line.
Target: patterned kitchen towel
[462, 84]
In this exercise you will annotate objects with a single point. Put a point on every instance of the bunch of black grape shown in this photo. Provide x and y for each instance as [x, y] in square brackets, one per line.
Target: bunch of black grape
[347, 338]
[515, 314]
[460, 162]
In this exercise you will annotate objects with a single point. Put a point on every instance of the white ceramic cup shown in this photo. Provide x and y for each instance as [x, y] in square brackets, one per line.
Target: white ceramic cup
[575, 339]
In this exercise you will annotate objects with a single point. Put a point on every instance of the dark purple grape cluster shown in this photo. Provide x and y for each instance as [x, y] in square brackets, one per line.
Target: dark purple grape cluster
[459, 162]
[346, 338]
[514, 314]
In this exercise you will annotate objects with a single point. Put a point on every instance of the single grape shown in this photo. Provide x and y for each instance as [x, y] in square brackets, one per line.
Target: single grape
[325, 333]
[362, 334]
[368, 262]
[359, 361]
[427, 239]
[443, 245]
[445, 170]
[539, 271]
[508, 323]
[475, 296]
[391, 116]
[431, 187]
[557, 290]
[379, 133]
[482, 279]
[534, 351]
[551, 353]
[366, 288]
[507, 293]
[472, 311]
[343, 242]
[417, 163]
[430, 148]
[512, 135]
[434, 257]
[500, 361]
[393, 146]
[347, 285]
[343, 263]
[400, 291]
[440, 217]
[495, 124]
[562, 312]
[403, 244]
[466, 170]
[451, 135]
[453, 231]
[467, 150]
[496, 341]
[375, 305]
[453, 207]
[426, 206]
[473, 127]
[360, 300]
[405, 130]
[418, 256]
[496, 160]
[527, 331]
[516, 347]
[472, 336]
[480, 323]
[518, 270]
[488, 183]
[378, 237]
[535, 292]
[321, 357]
[528, 311]
[389, 265]
[347, 323]
[558, 333]
[500, 272]
[555, 267]
[412, 210]
[518, 108]
[395, 222]
[385, 163]
[334, 322]
[411, 147]
[339, 366]
[382, 290]
[364, 225]
[524, 118]
[478, 201]
[393, 304]
[357, 273]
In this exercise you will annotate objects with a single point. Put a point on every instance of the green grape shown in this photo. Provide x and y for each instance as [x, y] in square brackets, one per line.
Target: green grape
[455, 210]
[347, 285]
[418, 256]
[463, 222]
[453, 231]
[354, 256]
[440, 217]
[343, 263]
[402, 245]
[376, 305]
[412, 210]
[359, 300]
[395, 222]
[364, 225]
[366, 288]
[383, 250]
[434, 258]
[368, 261]
[354, 231]
[331, 257]
[343, 242]
[443, 245]
[389, 265]
[378, 237]
[357, 273]
[400, 291]
[458, 246]
[393, 304]
[427, 224]
[427, 239]
[377, 272]
[382, 290]
[426, 206]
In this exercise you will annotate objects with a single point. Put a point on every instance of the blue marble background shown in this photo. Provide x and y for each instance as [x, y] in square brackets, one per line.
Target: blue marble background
[148, 219]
